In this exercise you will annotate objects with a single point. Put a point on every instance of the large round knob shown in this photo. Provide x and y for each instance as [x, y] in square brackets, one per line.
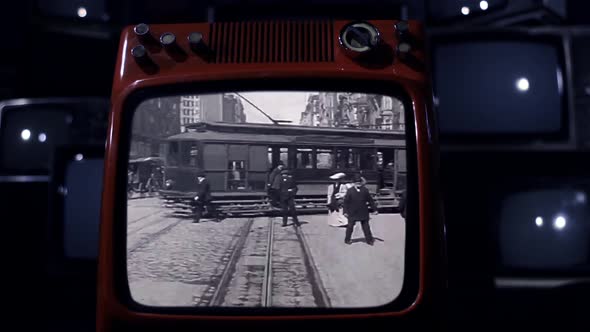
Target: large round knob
[360, 37]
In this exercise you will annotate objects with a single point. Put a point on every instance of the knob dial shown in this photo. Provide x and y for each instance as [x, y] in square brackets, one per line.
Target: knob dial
[360, 37]
[142, 29]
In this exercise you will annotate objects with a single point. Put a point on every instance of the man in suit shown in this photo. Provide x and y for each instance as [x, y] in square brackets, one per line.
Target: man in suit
[203, 198]
[287, 192]
[356, 209]
[273, 184]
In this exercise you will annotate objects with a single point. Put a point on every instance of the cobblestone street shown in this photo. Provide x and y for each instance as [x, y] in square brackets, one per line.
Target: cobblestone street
[174, 262]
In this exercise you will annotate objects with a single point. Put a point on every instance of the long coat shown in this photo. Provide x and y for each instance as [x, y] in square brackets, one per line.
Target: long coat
[355, 203]
[203, 191]
[288, 187]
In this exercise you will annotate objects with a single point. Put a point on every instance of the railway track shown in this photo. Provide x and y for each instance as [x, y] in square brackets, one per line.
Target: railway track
[259, 206]
[268, 266]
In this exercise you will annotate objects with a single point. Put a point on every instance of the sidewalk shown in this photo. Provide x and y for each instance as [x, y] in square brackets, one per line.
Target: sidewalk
[358, 275]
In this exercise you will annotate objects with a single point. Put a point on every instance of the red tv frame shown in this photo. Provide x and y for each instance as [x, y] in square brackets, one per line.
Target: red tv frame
[311, 54]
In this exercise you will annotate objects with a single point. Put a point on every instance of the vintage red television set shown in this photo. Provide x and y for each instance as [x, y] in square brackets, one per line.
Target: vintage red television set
[240, 158]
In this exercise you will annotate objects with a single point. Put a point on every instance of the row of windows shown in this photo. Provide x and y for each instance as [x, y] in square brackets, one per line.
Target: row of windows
[190, 112]
[330, 158]
[187, 103]
[187, 154]
[187, 120]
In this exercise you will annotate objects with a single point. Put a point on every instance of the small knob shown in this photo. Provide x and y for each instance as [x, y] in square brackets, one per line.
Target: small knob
[402, 29]
[198, 45]
[168, 40]
[142, 30]
[139, 52]
[195, 39]
[404, 48]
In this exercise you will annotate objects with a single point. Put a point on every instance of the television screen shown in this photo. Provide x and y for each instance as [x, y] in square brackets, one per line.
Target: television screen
[81, 207]
[269, 199]
[546, 230]
[499, 87]
[30, 135]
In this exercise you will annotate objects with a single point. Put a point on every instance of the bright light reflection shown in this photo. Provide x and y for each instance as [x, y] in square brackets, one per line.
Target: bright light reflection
[25, 134]
[522, 84]
[581, 197]
[82, 12]
[42, 137]
[559, 223]
[79, 157]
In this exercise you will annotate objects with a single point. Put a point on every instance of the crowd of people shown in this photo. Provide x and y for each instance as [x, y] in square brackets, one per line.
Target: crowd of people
[348, 200]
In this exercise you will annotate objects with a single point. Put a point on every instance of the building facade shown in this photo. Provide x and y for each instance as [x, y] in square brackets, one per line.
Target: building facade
[158, 118]
[355, 110]
[190, 111]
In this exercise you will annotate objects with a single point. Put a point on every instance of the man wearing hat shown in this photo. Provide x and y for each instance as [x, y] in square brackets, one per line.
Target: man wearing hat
[203, 198]
[288, 190]
[274, 184]
[356, 209]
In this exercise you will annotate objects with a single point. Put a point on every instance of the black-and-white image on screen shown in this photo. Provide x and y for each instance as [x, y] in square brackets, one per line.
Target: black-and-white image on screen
[497, 87]
[267, 199]
[82, 191]
[546, 229]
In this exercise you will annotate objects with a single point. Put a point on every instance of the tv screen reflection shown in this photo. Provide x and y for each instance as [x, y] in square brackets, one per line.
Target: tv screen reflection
[546, 230]
[267, 199]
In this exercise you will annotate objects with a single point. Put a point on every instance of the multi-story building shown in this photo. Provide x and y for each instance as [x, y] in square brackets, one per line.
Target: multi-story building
[190, 111]
[353, 110]
[158, 118]
[225, 107]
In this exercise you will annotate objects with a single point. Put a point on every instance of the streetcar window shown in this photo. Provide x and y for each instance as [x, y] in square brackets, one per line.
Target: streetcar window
[173, 154]
[189, 154]
[284, 155]
[193, 155]
[367, 159]
[325, 158]
[353, 159]
[276, 154]
[237, 175]
[341, 158]
[380, 160]
[304, 158]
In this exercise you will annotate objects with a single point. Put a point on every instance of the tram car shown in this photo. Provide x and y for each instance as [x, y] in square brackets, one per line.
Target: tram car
[237, 159]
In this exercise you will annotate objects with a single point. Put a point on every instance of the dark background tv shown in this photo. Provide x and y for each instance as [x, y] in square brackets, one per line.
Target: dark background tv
[82, 203]
[498, 87]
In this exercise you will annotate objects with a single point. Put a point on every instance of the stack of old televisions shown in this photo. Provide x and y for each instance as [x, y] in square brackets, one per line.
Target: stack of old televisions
[512, 95]
[51, 165]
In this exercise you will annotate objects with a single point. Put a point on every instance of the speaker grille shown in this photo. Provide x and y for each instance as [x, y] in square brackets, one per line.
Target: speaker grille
[272, 42]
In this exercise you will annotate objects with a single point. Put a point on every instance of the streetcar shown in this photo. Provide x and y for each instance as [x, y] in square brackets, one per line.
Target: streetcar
[237, 159]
